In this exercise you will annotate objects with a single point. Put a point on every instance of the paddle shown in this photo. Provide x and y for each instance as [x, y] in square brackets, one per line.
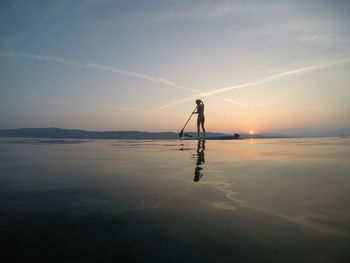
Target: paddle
[182, 131]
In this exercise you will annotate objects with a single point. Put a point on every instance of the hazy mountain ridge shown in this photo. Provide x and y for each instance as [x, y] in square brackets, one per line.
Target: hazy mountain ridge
[138, 135]
[303, 132]
[82, 134]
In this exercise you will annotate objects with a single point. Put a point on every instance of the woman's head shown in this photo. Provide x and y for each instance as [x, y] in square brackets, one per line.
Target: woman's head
[198, 101]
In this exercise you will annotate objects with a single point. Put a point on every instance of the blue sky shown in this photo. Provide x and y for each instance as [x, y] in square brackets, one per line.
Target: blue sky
[139, 65]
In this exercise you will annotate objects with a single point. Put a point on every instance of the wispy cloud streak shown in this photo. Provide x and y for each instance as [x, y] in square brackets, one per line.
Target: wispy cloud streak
[100, 67]
[257, 82]
[107, 68]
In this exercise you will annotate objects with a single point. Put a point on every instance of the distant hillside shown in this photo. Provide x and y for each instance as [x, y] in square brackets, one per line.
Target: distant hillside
[307, 132]
[81, 134]
[140, 135]
[131, 135]
[328, 133]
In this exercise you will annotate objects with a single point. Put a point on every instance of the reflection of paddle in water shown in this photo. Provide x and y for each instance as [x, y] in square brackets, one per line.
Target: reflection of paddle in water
[200, 160]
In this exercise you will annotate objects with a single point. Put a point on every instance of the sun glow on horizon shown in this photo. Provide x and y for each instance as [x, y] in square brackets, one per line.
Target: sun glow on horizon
[250, 132]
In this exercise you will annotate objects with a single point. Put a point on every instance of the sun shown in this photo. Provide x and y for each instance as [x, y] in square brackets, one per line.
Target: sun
[250, 132]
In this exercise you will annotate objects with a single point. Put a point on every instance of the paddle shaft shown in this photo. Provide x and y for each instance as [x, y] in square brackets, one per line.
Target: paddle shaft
[181, 132]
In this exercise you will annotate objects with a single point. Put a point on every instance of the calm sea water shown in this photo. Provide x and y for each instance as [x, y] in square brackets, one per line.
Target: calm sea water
[268, 200]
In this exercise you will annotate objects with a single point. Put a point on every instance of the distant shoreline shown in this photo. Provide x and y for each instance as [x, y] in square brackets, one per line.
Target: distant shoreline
[59, 133]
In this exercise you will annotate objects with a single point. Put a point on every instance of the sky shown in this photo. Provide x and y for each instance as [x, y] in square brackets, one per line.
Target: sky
[140, 65]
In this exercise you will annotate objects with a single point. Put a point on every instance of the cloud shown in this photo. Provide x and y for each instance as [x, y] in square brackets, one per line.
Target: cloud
[126, 109]
[257, 82]
[209, 10]
[308, 22]
[173, 84]
[100, 67]
[108, 68]
[239, 104]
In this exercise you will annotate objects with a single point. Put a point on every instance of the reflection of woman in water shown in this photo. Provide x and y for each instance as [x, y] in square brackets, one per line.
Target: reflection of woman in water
[200, 118]
[197, 173]
[199, 160]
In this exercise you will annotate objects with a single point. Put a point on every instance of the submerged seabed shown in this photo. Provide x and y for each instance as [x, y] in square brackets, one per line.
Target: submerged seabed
[266, 200]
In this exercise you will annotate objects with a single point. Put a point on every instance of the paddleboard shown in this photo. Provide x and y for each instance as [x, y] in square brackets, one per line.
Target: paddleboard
[219, 137]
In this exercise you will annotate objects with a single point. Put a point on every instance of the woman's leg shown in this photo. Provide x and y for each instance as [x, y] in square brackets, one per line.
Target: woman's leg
[203, 129]
[198, 124]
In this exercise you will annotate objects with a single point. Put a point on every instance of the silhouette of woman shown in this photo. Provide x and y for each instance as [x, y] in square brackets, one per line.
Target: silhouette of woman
[200, 118]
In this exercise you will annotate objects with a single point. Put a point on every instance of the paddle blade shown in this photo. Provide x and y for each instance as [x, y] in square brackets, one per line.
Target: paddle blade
[181, 133]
